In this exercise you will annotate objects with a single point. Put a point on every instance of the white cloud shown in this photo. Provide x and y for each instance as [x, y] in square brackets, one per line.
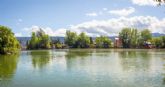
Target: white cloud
[109, 27]
[105, 9]
[92, 14]
[18, 34]
[145, 2]
[123, 12]
[47, 30]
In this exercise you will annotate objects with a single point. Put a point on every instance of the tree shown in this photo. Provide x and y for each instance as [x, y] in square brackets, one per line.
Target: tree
[44, 41]
[157, 42]
[83, 40]
[70, 38]
[125, 36]
[8, 42]
[163, 41]
[134, 38]
[39, 40]
[91, 40]
[145, 36]
[103, 42]
[33, 43]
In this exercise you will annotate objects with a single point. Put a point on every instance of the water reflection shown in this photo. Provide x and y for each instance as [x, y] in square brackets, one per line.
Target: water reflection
[8, 66]
[40, 58]
[78, 53]
[87, 68]
[139, 60]
[164, 72]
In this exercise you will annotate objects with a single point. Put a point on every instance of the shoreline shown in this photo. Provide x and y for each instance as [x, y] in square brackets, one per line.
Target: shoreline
[99, 48]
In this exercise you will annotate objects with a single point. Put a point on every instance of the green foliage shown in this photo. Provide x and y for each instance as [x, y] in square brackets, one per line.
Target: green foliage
[8, 65]
[131, 38]
[125, 36]
[91, 40]
[134, 38]
[163, 41]
[83, 41]
[40, 58]
[39, 40]
[157, 42]
[146, 35]
[58, 45]
[70, 38]
[103, 42]
[8, 43]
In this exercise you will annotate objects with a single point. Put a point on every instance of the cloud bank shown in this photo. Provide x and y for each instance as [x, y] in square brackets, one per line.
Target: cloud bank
[109, 27]
[145, 2]
[123, 12]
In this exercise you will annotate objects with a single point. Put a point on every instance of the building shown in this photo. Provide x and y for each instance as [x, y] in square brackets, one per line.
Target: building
[117, 43]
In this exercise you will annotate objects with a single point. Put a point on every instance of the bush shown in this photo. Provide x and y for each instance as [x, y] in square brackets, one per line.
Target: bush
[8, 42]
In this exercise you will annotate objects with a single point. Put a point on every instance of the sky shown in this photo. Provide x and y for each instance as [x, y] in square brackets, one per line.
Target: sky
[94, 17]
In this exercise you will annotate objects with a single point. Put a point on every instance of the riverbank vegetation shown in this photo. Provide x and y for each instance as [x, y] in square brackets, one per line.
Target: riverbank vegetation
[83, 41]
[132, 38]
[39, 40]
[8, 42]
[128, 38]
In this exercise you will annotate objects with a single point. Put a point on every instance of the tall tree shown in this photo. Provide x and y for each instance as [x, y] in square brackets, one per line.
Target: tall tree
[8, 42]
[145, 36]
[83, 40]
[163, 41]
[125, 36]
[70, 38]
[91, 40]
[134, 38]
[33, 43]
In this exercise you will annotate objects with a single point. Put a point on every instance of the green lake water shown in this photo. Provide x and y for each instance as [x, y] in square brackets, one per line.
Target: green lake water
[84, 68]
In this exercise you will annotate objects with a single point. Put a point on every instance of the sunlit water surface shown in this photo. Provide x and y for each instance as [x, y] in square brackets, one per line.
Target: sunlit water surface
[84, 68]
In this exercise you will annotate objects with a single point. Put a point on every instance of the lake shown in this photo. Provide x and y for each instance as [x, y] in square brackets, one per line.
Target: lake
[84, 68]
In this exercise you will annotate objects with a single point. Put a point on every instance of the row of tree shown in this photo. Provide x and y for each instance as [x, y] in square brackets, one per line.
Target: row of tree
[83, 41]
[129, 37]
[40, 40]
[132, 38]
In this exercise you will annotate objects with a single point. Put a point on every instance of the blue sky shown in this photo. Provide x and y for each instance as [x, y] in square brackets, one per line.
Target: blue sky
[95, 17]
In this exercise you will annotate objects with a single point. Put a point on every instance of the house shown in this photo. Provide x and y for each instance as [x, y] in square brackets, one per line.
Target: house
[117, 43]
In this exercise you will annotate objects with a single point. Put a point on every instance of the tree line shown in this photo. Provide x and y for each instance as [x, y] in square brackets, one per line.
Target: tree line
[132, 38]
[40, 40]
[129, 37]
[83, 41]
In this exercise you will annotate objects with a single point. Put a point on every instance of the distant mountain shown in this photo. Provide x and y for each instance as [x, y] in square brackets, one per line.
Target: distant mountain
[157, 34]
